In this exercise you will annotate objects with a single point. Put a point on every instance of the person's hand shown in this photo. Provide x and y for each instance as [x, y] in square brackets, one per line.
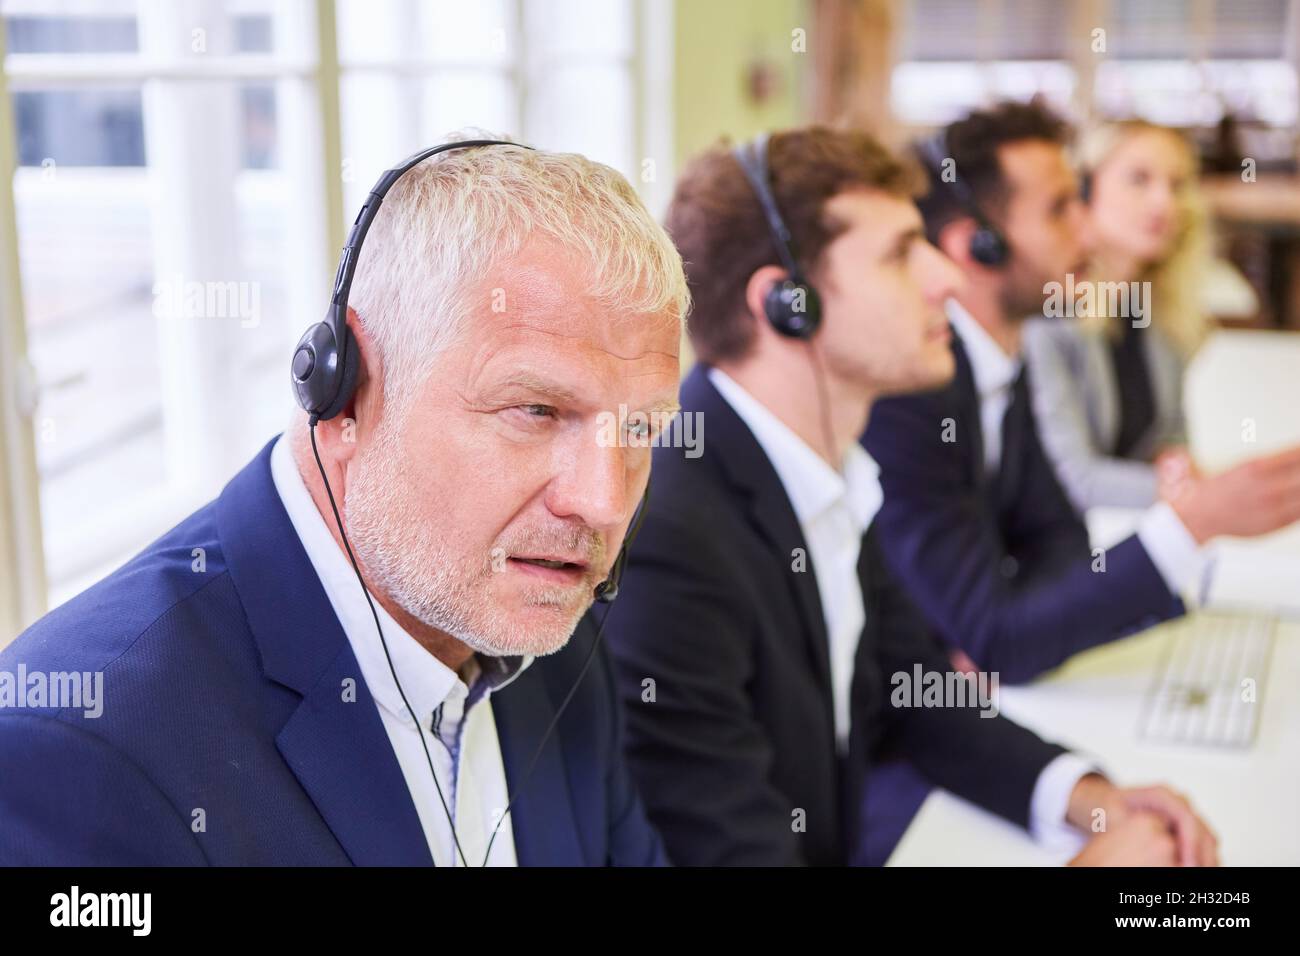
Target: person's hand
[1253, 498]
[1141, 839]
[1096, 798]
[962, 663]
[1174, 469]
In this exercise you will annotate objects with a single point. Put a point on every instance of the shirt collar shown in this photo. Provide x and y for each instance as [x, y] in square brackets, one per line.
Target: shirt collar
[810, 483]
[427, 681]
[994, 370]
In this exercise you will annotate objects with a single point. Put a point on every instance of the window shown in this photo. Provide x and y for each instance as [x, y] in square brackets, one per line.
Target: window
[1186, 63]
[178, 215]
[557, 74]
[1180, 62]
[1021, 47]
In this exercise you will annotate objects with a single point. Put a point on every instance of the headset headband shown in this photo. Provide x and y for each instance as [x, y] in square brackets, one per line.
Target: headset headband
[752, 157]
[337, 316]
[933, 151]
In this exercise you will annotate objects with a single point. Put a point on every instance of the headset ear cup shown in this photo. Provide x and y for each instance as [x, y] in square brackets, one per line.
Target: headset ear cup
[813, 318]
[793, 309]
[987, 247]
[348, 381]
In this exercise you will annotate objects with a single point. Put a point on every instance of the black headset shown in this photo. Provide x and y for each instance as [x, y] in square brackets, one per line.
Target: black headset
[792, 306]
[326, 362]
[987, 245]
[324, 372]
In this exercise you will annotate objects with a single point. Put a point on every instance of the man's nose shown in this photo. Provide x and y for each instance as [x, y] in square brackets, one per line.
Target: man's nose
[1078, 218]
[592, 486]
[944, 279]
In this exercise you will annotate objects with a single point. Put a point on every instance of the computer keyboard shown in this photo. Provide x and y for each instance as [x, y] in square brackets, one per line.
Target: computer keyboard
[1209, 684]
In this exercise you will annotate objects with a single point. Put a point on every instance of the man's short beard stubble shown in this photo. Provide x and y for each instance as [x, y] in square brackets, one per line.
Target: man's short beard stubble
[1022, 296]
[428, 580]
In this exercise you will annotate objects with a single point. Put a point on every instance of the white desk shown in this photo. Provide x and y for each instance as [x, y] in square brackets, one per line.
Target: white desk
[1093, 703]
[1251, 798]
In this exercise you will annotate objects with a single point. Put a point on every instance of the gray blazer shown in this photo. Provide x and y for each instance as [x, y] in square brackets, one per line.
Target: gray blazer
[1076, 405]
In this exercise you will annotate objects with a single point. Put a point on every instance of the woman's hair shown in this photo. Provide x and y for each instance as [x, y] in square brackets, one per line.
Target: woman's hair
[1176, 279]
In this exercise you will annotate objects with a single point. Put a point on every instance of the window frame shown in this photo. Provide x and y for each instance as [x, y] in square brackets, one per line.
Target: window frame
[307, 72]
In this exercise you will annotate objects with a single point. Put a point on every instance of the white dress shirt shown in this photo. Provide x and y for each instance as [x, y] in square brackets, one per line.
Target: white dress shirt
[995, 373]
[1182, 563]
[455, 710]
[834, 510]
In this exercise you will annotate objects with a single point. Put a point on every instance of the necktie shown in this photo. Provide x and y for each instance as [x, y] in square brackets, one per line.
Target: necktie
[1137, 409]
[1017, 424]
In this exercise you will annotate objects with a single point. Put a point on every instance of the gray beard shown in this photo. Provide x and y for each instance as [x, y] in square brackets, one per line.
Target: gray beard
[420, 574]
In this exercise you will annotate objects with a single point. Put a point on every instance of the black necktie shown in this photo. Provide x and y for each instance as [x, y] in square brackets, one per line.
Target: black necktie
[1016, 425]
[1137, 407]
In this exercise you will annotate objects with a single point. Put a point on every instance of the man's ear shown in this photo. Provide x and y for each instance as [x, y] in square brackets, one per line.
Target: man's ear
[954, 241]
[756, 289]
[339, 434]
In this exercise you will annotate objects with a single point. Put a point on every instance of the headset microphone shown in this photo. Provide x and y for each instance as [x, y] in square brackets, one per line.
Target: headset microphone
[607, 589]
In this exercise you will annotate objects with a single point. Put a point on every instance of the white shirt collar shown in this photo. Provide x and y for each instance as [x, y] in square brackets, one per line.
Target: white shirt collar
[994, 370]
[427, 681]
[810, 483]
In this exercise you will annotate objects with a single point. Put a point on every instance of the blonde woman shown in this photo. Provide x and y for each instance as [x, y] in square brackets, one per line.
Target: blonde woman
[1108, 386]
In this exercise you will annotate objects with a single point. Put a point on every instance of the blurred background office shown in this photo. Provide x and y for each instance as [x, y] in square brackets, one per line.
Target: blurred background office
[183, 173]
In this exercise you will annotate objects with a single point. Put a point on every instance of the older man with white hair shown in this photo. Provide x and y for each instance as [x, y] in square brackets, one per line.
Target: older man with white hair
[375, 661]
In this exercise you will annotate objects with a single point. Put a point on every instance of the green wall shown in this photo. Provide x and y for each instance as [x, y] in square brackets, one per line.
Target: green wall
[717, 41]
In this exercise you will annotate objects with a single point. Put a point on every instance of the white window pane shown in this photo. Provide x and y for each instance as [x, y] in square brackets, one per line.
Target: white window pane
[1180, 93]
[481, 32]
[933, 94]
[36, 31]
[87, 269]
[378, 111]
[571, 29]
[469, 98]
[386, 117]
[1163, 91]
[589, 110]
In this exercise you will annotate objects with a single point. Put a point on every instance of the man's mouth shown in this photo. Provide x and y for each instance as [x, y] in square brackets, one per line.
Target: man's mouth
[555, 568]
[553, 563]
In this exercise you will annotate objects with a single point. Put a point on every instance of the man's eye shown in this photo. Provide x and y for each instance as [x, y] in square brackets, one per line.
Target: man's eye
[530, 415]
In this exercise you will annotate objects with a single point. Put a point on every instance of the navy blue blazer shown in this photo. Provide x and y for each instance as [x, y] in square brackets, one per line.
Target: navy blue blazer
[1003, 572]
[736, 744]
[225, 737]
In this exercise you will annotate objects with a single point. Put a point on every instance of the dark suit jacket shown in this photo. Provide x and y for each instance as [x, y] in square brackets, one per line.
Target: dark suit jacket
[739, 737]
[223, 692]
[1003, 571]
